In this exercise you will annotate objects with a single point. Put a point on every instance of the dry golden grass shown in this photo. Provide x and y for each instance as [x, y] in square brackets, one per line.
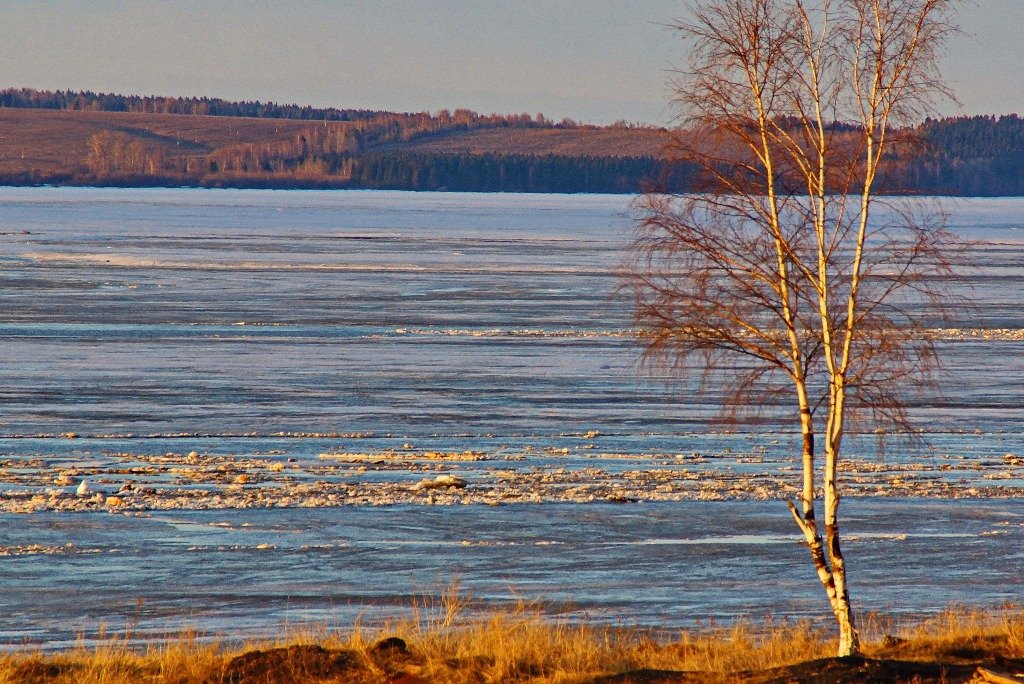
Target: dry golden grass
[180, 660]
[448, 645]
[959, 634]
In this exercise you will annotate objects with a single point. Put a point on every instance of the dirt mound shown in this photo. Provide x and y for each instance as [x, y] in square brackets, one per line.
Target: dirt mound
[828, 671]
[293, 664]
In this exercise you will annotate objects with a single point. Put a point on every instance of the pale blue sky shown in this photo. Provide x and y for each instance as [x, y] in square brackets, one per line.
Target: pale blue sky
[594, 60]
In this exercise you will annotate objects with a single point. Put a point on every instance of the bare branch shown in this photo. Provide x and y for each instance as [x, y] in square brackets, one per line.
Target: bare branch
[785, 275]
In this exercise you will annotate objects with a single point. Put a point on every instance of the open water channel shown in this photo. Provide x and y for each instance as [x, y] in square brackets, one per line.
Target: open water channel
[262, 380]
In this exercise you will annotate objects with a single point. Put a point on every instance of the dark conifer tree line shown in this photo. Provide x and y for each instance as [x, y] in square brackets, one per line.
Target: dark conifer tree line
[515, 173]
[971, 156]
[86, 100]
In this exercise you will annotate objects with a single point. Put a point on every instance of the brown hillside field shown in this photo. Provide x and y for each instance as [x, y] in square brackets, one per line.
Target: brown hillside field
[580, 142]
[53, 141]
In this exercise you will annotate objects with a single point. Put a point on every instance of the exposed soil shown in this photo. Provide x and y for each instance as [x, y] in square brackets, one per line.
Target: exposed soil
[835, 671]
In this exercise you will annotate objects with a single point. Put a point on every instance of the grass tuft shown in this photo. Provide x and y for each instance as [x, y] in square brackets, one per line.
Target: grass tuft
[448, 641]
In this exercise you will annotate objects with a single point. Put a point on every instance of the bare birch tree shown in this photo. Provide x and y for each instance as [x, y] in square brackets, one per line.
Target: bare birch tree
[783, 276]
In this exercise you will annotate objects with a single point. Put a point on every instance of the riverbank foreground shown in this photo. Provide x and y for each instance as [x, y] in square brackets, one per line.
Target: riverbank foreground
[442, 643]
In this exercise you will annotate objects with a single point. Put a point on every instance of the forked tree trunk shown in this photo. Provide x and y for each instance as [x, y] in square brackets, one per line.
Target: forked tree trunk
[849, 642]
[826, 555]
[831, 568]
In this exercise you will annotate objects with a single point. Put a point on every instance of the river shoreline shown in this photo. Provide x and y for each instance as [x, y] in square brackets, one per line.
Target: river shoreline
[440, 643]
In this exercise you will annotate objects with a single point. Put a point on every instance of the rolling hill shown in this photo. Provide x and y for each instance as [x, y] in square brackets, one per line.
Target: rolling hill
[98, 139]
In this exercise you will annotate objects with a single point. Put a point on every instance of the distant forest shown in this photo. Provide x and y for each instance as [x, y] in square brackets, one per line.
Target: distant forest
[977, 156]
[86, 100]
[85, 138]
[29, 98]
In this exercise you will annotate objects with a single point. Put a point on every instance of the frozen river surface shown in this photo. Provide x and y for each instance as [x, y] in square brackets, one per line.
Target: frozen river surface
[310, 345]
